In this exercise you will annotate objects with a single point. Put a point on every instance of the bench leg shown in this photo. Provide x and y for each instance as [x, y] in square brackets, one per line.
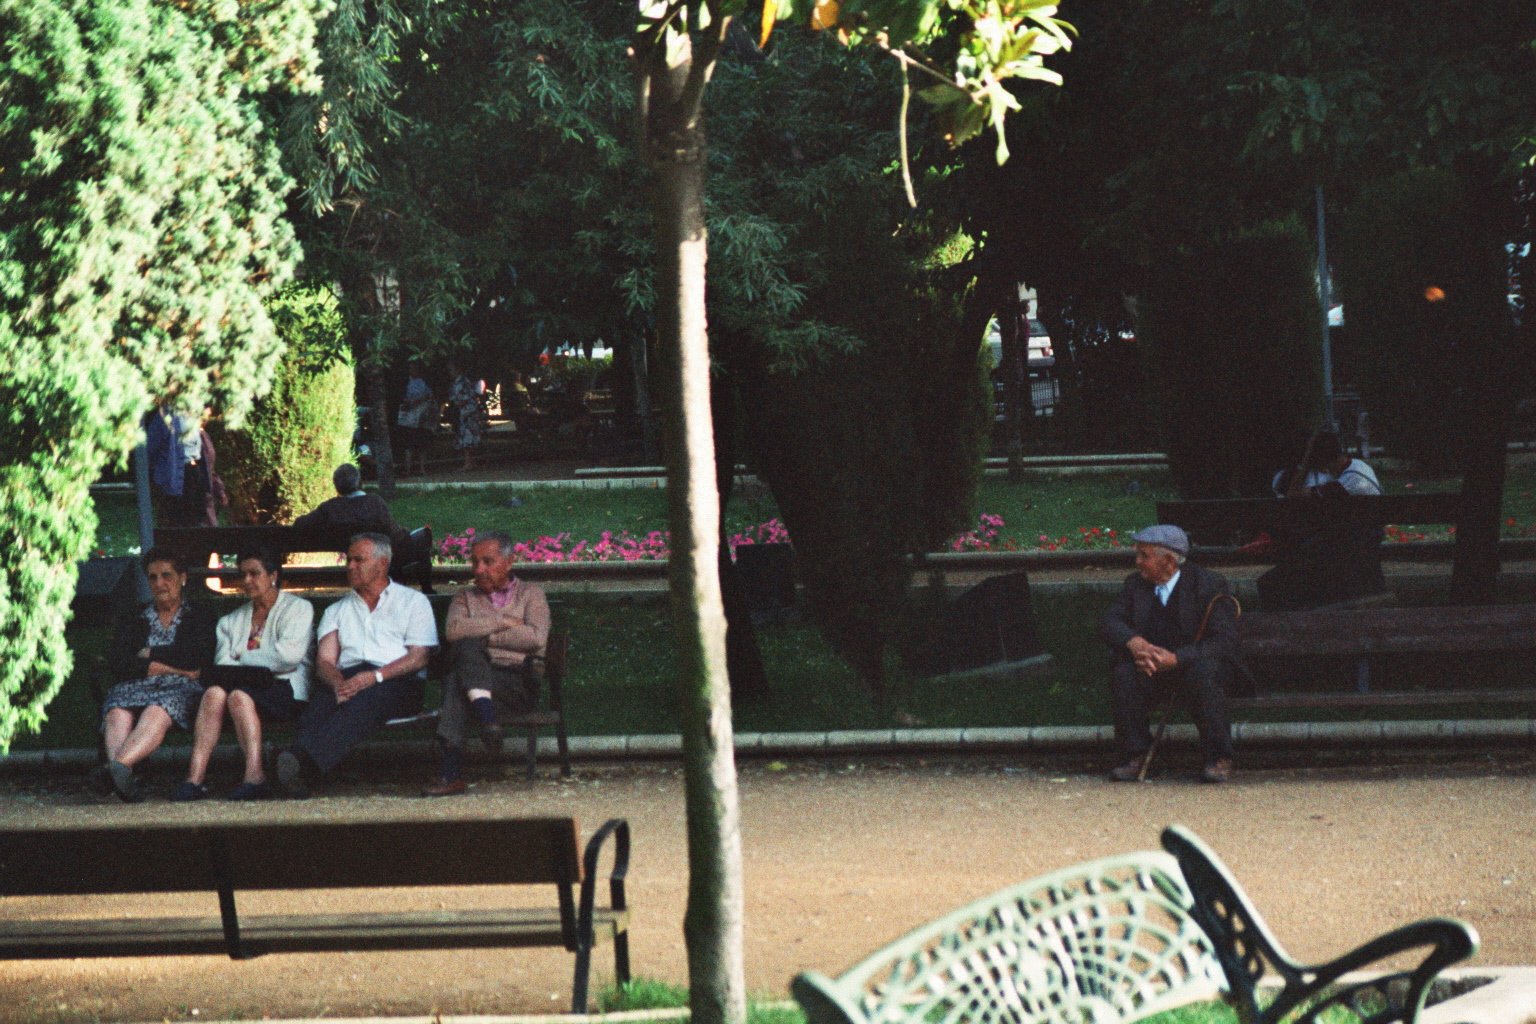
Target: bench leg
[579, 983]
[565, 748]
[621, 958]
[1363, 675]
[533, 753]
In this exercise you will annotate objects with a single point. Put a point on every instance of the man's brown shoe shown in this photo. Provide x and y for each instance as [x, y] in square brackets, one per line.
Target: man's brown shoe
[1128, 772]
[445, 787]
[1219, 770]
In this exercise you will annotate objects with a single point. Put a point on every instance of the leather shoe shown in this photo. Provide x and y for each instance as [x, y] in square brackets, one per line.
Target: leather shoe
[445, 787]
[1219, 770]
[1128, 772]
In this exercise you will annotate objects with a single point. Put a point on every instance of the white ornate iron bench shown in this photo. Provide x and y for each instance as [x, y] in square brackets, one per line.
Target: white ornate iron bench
[1118, 940]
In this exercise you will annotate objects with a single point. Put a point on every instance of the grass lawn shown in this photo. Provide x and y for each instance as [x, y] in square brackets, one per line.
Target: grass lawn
[1036, 511]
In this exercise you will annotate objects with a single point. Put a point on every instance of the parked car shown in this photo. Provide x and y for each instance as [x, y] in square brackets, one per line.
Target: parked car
[1041, 355]
[1043, 388]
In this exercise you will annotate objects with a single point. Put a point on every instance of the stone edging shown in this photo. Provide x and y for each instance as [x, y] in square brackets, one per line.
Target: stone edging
[927, 741]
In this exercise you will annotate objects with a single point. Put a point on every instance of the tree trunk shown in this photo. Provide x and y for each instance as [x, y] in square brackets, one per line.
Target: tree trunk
[378, 427]
[1498, 363]
[673, 140]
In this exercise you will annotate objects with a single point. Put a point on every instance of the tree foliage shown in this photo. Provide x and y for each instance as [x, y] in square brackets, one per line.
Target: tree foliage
[141, 225]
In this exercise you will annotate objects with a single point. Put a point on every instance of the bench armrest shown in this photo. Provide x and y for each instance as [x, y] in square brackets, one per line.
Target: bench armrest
[1248, 950]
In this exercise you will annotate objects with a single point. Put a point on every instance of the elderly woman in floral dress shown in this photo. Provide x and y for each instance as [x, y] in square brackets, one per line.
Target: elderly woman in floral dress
[158, 656]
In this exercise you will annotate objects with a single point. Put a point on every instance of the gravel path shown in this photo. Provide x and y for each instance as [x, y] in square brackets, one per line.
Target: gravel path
[842, 856]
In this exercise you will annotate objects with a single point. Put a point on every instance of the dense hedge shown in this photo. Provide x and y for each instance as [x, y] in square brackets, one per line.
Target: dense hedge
[1235, 364]
[279, 464]
[1408, 344]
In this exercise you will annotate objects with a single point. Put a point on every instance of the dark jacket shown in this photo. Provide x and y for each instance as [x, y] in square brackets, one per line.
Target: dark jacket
[1132, 611]
[191, 650]
[358, 510]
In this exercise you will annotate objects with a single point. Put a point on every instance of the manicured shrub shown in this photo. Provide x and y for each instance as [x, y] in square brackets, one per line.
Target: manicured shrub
[1233, 342]
[279, 464]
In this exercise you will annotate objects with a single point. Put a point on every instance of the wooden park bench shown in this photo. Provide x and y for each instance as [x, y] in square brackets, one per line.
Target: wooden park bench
[229, 858]
[1118, 940]
[1237, 520]
[197, 543]
[1364, 632]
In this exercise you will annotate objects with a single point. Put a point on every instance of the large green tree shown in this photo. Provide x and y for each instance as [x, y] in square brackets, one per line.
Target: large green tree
[141, 225]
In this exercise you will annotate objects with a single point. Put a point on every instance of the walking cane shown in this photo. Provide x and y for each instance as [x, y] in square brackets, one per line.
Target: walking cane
[1165, 711]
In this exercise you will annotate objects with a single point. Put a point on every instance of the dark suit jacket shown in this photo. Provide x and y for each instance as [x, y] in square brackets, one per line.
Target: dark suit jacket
[357, 510]
[192, 648]
[1132, 611]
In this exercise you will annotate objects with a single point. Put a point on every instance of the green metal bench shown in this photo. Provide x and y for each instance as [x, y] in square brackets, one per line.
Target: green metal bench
[1118, 940]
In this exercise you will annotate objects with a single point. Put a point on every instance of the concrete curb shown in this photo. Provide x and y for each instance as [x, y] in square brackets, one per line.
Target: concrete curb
[991, 740]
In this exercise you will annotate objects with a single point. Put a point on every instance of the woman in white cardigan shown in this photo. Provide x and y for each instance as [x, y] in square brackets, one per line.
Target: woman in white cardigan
[263, 655]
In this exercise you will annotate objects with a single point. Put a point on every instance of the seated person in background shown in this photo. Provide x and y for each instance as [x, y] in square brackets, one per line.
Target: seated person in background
[1175, 622]
[370, 666]
[1335, 562]
[157, 657]
[263, 653]
[353, 507]
[493, 629]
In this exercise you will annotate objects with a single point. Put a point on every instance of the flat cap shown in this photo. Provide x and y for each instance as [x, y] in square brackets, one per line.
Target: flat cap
[1164, 535]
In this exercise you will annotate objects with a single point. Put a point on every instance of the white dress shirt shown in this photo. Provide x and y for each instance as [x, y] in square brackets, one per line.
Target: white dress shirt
[401, 619]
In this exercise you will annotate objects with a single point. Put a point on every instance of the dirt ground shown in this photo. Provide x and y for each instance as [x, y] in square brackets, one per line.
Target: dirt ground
[841, 856]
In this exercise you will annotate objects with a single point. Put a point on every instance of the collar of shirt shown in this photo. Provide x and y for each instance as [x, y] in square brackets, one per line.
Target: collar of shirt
[359, 493]
[1165, 590]
[503, 597]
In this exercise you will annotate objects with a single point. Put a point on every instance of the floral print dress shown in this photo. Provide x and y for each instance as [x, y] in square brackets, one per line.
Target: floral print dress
[465, 397]
[179, 695]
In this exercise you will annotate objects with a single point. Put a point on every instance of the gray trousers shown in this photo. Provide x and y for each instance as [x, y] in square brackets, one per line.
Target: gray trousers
[1202, 682]
[514, 690]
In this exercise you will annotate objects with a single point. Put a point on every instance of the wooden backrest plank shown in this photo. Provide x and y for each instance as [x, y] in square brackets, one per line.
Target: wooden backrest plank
[1385, 630]
[1430, 507]
[289, 855]
[230, 540]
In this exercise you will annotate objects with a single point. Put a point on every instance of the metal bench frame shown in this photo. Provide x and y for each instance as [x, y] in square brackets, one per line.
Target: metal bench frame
[1118, 940]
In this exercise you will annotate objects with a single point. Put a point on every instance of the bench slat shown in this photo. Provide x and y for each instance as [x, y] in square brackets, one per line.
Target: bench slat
[1382, 698]
[1269, 513]
[54, 939]
[1389, 630]
[303, 855]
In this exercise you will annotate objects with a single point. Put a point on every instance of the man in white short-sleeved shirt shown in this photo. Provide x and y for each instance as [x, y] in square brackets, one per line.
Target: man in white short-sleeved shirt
[370, 666]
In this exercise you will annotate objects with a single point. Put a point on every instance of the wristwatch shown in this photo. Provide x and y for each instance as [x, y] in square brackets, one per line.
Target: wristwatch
[378, 677]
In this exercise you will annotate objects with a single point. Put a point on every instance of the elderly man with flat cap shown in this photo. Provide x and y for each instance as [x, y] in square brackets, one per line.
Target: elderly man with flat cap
[1174, 624]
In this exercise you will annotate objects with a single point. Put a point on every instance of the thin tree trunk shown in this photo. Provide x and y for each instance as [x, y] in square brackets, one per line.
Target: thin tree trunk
[378, 427]
[673, 139]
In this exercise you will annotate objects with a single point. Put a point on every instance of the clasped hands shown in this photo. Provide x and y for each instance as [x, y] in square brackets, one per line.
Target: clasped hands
[1149, 658]
[351, 686]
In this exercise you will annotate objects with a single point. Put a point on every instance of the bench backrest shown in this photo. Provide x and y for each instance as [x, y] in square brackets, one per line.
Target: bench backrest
[1387, 630]
[1269, 513]
[202, 541]
[1109, 940]
[290, 855]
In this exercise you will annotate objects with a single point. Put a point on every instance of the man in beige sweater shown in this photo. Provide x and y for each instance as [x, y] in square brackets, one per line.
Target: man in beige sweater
[493, 629]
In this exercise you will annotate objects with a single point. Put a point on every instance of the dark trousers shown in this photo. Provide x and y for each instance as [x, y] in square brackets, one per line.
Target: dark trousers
[1202, 683]
[514, 690]
[328, 731]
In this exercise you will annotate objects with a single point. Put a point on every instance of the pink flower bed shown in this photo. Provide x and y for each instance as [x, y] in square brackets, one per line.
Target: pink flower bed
[654, 546]
[609, 547]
